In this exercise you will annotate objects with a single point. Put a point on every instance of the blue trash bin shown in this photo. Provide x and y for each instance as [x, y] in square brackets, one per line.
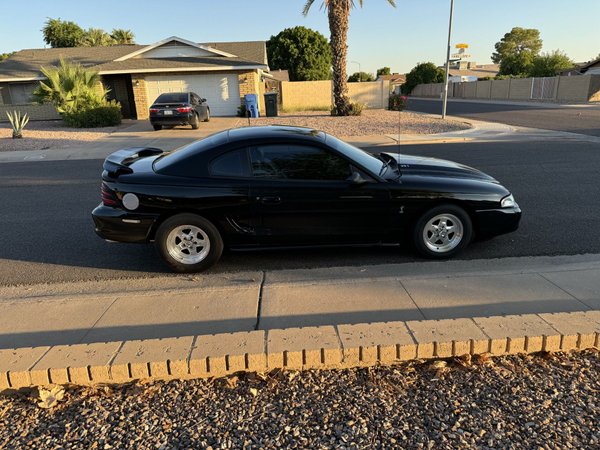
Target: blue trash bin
[252, 105]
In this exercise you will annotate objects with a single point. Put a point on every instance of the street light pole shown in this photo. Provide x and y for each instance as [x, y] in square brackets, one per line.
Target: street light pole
[445, 102]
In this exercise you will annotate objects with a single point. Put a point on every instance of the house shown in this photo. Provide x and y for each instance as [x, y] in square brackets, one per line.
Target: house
[396, 80]
[222, 72]
[472, 69]
[589, 68]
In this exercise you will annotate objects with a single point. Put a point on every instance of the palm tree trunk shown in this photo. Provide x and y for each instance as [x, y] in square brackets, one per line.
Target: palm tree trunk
[338, 12]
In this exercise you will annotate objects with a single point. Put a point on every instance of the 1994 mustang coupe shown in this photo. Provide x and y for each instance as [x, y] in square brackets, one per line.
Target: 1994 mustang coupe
[280, 186]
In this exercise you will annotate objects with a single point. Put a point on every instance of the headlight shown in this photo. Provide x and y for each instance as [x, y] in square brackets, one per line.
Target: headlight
[507, 202]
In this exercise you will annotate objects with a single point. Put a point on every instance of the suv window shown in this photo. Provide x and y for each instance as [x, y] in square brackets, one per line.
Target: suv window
[297, 162]
[173, 97]
[230, 164]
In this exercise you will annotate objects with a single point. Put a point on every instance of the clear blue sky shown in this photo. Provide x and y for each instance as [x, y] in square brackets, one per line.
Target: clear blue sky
[379, 35]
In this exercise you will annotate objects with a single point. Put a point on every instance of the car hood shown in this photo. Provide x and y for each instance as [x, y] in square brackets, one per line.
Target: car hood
[433, 167]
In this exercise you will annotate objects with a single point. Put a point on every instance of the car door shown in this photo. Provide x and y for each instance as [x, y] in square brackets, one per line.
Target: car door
[304, 194]
[200, 107]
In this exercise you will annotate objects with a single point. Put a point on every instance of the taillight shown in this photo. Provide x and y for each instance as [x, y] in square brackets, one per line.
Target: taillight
[109, 198]
[153, 110]
[184, 109]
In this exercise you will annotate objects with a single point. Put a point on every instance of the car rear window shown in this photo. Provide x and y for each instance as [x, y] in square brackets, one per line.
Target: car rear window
[189, 161]
[172, 97]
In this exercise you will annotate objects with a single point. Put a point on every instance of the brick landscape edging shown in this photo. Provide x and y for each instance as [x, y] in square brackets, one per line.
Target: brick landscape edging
[323, 347]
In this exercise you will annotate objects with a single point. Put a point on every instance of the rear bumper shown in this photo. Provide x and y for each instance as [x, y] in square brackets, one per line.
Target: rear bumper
[171, 120]
[116, 224]
[493, 222]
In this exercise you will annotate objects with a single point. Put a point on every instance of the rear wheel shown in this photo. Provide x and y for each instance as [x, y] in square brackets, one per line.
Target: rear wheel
[157, 127]
[195, 123]
[442, 232]
[207, 115]
[189, 243]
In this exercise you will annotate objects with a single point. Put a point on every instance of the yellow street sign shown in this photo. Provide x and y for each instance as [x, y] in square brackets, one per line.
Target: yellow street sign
[462, 45]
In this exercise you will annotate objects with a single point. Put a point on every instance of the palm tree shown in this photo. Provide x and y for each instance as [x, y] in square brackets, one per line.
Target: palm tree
[71, 87]
[96, 37]
[121, 36]
[338, 12]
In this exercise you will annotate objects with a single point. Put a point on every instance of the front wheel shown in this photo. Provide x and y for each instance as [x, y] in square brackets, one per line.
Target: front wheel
[189, 243]
[442, 232]
[207, 119]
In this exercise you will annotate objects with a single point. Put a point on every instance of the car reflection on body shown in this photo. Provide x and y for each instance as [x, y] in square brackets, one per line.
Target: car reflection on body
[280, 186]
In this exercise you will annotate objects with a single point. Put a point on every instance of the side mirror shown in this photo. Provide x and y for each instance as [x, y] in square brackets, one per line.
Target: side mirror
[356, 179]
[202, 100]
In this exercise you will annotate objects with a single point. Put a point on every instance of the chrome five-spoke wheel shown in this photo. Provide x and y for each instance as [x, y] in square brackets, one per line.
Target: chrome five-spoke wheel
[443, 233]
[188, 244]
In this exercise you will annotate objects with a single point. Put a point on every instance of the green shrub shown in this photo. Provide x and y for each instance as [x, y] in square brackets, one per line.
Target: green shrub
[397, 102]
[241, 111]
[100, 116]
[355, 109]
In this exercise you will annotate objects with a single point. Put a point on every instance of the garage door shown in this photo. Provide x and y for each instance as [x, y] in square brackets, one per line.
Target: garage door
[221, 91]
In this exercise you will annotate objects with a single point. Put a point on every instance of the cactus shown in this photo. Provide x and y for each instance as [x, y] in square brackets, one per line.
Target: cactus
[17, 122]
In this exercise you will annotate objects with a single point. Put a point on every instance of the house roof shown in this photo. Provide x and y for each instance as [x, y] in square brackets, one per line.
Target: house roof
[280, 75]
[482, 71]
[394, 78]
[25, 65]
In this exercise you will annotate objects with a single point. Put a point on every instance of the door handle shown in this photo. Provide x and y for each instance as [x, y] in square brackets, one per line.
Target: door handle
[271, 200]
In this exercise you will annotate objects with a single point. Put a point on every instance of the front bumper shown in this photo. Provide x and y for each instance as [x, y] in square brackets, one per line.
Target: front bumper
[116, 224]
[493, 222]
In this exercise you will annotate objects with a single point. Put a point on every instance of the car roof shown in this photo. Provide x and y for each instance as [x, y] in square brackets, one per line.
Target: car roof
[275, 131]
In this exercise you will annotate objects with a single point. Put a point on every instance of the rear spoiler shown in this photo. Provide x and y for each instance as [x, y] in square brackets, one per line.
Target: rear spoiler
[117, 163]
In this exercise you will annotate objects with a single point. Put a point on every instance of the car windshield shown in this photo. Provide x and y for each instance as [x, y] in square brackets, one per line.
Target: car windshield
[366, 160]
[179, 97]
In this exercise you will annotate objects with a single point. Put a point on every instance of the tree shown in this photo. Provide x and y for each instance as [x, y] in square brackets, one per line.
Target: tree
[422, 73]
[361, 76]
[550, 64]
[96, 37]
[58, 33]
[384, 71]
[4, 56]
[121, 36]
[71, 88]
[303, 52]
[516, 51]
[338, 13]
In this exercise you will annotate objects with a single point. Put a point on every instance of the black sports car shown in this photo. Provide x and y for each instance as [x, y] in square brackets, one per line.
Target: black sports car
[179, 108]
[280, 186]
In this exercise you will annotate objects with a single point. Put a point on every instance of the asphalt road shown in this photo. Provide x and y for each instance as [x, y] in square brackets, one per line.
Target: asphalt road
[583, 120]
[46, 231]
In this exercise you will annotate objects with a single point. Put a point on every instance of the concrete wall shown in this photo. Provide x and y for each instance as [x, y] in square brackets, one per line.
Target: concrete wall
[565, 89]
[35, 112]
[306, 95]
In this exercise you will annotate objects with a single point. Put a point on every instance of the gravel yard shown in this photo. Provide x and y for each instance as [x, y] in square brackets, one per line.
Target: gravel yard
[546, 401]
[42, 135]
[371, 122]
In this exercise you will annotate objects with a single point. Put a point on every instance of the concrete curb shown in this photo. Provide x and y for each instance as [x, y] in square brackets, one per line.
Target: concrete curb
[324, 347]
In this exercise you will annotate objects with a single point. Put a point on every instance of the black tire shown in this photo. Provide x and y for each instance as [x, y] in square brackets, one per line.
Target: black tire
[447, 244]
[195, 123]
[207, 115]
[157, 127]
[168, 239]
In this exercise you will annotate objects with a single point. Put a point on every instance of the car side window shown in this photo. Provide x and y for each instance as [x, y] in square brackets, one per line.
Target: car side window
[231, 164]
[297, 162]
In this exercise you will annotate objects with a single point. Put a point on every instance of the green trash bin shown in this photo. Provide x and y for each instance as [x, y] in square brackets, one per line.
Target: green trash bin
[271, 104]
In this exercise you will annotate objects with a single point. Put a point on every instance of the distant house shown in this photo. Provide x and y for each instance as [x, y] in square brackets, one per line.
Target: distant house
[396, 80]
[590, 68]
[221, 72]
[472, 69]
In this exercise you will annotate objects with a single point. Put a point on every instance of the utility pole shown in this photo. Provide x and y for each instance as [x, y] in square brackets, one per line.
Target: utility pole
[359, 72]
[445, 102]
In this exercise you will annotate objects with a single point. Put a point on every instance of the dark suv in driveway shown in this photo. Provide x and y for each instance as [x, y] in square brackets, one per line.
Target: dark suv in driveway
[179, 108]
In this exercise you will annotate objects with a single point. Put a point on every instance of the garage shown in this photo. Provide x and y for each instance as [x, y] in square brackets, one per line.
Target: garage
[221, 91]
